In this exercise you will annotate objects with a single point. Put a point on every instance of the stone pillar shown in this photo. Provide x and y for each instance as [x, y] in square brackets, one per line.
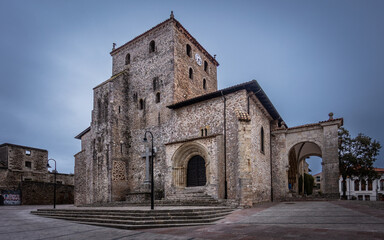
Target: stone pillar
[330, 160]
[179, 177]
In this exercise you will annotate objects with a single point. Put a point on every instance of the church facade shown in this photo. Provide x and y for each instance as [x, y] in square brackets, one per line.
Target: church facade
[230, 143]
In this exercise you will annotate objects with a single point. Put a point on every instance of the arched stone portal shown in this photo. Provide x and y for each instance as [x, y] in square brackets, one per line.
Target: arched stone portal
[291, 145]
[297, 155]
[181, 160]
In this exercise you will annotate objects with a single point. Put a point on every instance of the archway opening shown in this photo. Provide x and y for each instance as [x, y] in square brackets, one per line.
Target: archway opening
[196, 172]
[305, 171]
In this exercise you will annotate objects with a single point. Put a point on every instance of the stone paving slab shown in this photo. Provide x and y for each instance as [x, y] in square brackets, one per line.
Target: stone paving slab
[298, 220]
[277, 221]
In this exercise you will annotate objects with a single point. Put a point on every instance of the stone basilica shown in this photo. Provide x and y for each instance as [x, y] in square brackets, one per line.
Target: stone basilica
[230, 144]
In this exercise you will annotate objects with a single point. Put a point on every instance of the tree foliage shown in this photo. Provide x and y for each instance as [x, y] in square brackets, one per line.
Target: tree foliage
[357, 156]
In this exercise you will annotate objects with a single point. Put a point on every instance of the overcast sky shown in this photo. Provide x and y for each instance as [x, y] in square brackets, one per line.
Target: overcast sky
[310, 57]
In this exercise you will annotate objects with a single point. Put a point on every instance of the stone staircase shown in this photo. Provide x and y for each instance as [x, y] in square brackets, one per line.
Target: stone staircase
[191, 197]
[139, 219]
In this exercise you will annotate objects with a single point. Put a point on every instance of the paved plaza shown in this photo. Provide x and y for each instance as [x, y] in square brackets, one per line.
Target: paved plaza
[287, 220]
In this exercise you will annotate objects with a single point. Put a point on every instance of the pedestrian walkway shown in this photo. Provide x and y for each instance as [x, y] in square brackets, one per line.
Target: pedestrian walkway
[293, 220]
[16, 223]
[289, 220]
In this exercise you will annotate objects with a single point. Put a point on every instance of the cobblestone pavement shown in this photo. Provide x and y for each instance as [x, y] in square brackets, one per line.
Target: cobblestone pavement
[289, 220]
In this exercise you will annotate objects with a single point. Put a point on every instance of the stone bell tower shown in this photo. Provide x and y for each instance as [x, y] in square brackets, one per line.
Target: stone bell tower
[158, 68]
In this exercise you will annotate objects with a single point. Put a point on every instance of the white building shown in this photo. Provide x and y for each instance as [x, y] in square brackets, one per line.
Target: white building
[368, 190]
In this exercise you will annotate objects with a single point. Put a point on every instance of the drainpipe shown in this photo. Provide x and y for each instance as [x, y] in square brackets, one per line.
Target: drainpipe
[225, 147]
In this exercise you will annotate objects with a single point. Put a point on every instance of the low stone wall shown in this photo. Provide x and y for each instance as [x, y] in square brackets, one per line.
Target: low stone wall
[40, 193]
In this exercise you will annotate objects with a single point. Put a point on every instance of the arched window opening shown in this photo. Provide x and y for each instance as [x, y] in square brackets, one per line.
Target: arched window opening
[141, 104]
[357, 182]
[190, 73]
[363, 185]
[205, 66]
[382, 185]
[189, 50]
[369, 185]
[262, 140]
[204, 84]
[157, 97]
[152, 46]
[196, 175]
[155, 83]
[127, 59]
[206, 132]
[202, 132]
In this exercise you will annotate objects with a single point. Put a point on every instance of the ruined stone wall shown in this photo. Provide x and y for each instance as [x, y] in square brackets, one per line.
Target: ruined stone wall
[185, 87]
[41, 193]
[24, 163]
[62, 178]
[18, 156]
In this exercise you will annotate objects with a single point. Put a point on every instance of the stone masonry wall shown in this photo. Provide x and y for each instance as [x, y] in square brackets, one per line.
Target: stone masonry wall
[186, 88]
[261, 160]
[188, 121]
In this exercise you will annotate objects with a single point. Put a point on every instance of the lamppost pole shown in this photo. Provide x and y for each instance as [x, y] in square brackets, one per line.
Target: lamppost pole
[152, 178]
[54, 184]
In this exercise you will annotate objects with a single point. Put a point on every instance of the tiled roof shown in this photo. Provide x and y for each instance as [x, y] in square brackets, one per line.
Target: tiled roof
[83, 132]
[242, 116]
[249, 86]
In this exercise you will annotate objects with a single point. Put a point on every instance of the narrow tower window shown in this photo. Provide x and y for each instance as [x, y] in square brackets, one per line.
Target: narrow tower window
[127, 59]
[141, 104]
[155, 83]
[205, 66]
[204, 84]
[157, 97]
[262, 140]
[152, 46]
[190, 73]
[189, 50]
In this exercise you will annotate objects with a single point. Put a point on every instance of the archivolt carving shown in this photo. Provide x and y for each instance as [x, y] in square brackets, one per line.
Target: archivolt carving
[180, 162]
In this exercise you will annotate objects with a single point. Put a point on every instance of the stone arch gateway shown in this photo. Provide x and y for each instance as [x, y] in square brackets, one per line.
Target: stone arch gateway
[296, 157]
[318, 139]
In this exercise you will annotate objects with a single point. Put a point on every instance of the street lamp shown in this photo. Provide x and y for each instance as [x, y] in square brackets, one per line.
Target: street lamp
[54, 184]
[152, 182]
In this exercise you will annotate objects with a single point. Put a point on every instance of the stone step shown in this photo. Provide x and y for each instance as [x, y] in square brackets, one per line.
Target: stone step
[145, 226]
[135, 216]
[137, 222]
[145, 212]
[135, 219]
